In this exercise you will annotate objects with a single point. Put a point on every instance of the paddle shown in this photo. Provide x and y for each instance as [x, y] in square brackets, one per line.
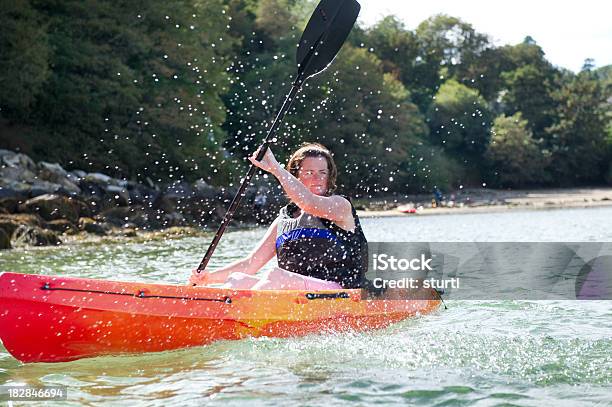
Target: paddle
[326, 31]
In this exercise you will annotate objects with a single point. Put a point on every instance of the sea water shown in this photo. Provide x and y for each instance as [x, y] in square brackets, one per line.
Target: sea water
[482, 353]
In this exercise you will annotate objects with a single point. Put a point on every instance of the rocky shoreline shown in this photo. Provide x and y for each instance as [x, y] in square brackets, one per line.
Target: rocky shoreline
[42, 204]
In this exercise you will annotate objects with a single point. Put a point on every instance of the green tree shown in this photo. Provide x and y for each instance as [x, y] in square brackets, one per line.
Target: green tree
[604, 74]
[262, 72]
[358, 108]
[459, 120]
[367, 119]
[405, 56]
[339, 107]
[529, 90]
[451, 41]
[397, 48]
[184, 75]
[24, 57]
[515, 158]
[275, 19]
[485, 72]
[578, 138]
[422, 60]
[446, 45]
[134, 88]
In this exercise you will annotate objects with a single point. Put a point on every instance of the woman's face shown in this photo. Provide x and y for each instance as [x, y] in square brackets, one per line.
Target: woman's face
[314, 174]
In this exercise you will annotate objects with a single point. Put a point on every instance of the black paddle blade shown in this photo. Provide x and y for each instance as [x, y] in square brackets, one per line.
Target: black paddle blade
[324, 35]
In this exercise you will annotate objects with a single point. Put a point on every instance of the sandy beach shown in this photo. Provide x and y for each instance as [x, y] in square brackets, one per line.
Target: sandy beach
[486, 200]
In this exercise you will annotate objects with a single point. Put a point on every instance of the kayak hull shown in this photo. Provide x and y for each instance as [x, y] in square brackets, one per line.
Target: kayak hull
[57, 319]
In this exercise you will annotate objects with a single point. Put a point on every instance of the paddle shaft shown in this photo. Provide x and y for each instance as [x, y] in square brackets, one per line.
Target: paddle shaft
[309, 64]
[297, 85]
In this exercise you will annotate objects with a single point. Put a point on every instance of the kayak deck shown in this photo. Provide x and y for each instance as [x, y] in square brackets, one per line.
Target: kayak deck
[56, 319]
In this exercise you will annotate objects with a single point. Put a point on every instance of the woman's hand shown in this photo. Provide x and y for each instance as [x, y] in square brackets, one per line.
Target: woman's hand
[199, 278]
[268, 162]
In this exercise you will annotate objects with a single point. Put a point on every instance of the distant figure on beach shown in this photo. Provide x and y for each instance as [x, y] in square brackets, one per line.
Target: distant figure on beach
[437, 198]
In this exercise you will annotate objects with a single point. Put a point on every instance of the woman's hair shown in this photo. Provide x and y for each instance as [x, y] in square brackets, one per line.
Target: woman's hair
[314, 150]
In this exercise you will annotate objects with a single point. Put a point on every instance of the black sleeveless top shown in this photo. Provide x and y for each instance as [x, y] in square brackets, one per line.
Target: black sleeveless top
[317, 247]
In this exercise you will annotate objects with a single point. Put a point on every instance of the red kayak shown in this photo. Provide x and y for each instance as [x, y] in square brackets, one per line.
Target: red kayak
[56, 319]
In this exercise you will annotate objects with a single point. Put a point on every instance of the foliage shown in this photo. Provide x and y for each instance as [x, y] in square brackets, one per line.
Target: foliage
[529, 91]
[25, 56]
[134, 89]
[514, 156]
[460, 119]
[187, 89]
[366, 117]
[578, 138]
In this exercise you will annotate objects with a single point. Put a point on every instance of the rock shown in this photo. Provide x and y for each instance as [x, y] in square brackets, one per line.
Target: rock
[52, 175]
[26, 235]
[52, 207]
[75, 177]
[141, 194]
[136, 196]
[10, 223]
[69, 188]
[16, 174]
[179, 190]
[119, 194]
[133, 215]
[100, 179]
[62, 226]
[89, 225]
[127, 232]
[104, 192]
[150, 183]
[44, 187]
[176, 198]
[51, 172]
[173, 219]
[130, 232]
[91, 189]
[14, 189]
[77, 174]
[17, 160]
[204, 190]
[10, 204]
[8, 226]
[179, 231]
[166, 204]
[5, 240]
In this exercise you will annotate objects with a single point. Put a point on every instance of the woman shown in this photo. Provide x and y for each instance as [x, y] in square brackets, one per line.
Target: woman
[317, 238]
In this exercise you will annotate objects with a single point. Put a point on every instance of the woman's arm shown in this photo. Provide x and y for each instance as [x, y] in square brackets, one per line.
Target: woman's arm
[261, 254]
[334, 208]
